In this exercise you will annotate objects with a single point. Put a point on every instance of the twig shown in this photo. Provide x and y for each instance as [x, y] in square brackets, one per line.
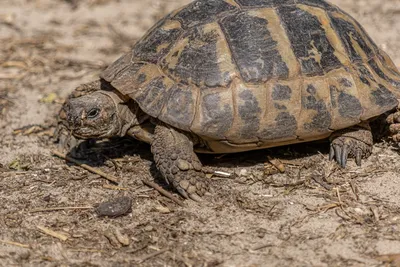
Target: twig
[87, 167]
[152, 255]
[14, 244]
[113, 187]
[329, 206]
[222, 174]
[52, 233]
[163, 192]
[259, 247]
[87, 250]
[354, 189]
[60, 208]
[319, 180]
[338, 196]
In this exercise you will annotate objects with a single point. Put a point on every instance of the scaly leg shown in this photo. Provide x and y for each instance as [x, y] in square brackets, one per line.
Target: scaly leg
[177, 162]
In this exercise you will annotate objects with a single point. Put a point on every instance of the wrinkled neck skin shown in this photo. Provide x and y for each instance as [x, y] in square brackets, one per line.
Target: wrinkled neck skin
[128, 112]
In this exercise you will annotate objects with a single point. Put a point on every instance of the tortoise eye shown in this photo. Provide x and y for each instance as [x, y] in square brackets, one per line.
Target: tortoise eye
[93, 113]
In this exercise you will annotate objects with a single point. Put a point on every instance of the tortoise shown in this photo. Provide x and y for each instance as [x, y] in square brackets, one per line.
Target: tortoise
[225, 76]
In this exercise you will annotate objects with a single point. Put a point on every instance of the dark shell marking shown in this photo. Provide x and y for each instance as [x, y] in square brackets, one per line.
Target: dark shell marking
[201, 12]
[285, 126]
[180, 108]
[322, 120]
[249, 112]
[383, 97]
[253, 48]
[158, 41]
[349, 106]
[281, 92]
[197, 59]
[265, 3]
[154, 96]
[215, 115]
[242, 70]
[310, 44]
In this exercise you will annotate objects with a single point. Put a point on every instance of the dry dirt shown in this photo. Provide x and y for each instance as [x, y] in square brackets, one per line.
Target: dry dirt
[315, 214]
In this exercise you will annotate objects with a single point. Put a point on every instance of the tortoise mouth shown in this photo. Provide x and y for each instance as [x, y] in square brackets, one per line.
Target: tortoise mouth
[97, 129]
[89, 133]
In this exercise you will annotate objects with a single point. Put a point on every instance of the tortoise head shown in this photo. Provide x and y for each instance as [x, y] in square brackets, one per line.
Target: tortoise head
[97, 115]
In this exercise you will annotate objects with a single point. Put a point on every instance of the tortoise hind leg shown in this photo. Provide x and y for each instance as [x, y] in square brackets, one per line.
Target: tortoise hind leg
[394, 125]
[355, 141]
[175, 159]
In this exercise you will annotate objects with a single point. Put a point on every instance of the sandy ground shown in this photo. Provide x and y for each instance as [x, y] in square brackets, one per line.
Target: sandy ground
[315, 214]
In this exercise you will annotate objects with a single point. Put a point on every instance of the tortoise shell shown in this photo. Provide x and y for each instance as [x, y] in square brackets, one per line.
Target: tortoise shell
[247, 74]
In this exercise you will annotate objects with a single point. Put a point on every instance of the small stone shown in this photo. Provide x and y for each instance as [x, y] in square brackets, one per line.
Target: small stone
[123, 239]
[148, 228]
[47, 198]
[114, 208]
[112, 238]
[163, 209]
[243, 173]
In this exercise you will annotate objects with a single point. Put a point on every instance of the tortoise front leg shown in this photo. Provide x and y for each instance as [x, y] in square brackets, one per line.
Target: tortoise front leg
[355, 141]
[177, 162]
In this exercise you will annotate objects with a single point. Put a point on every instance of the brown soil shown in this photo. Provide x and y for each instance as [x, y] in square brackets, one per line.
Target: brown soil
[314, 214]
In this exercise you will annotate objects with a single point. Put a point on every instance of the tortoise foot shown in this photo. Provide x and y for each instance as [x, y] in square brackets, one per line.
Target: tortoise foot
[394, 126]
[353, 142]
[177, 162]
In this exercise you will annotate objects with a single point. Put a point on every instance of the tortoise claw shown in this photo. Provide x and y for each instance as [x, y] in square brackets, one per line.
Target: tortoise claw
[358, 157]
[181, 191]
[338, 153]
[343, 158]
[354, 142]
[331, 153]
[195, 197]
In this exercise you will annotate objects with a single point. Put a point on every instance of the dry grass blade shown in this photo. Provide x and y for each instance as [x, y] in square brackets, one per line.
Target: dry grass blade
[87, 167]
[52, 233]
[113, 187]
[392, 259]
[60, 208]
[320, 180]
[259, 247]
[86, 250]
[152, 255]
[14, 244]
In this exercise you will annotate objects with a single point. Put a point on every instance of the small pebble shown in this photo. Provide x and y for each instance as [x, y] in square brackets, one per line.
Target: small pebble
[114, 208]
[243, 173]
[112, 238]
[162, 209]
[123, 239]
